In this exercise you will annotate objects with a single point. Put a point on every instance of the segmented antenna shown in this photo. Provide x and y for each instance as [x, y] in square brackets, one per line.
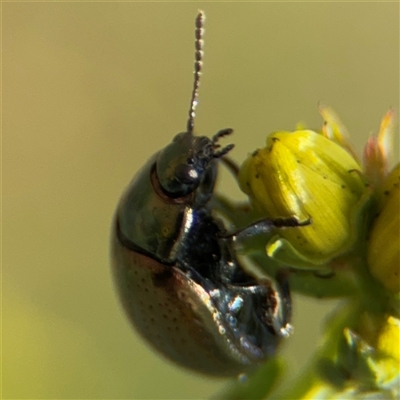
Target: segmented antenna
[198, 63]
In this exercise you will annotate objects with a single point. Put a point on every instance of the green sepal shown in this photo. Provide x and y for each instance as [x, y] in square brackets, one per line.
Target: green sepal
[282, 251]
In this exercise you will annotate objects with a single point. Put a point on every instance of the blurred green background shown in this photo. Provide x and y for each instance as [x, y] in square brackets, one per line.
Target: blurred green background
[90, 91]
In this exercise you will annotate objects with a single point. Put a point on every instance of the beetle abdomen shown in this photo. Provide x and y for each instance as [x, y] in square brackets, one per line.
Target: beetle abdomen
[174, 314]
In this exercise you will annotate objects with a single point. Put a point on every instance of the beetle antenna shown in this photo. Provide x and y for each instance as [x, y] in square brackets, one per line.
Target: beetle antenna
[198, 63]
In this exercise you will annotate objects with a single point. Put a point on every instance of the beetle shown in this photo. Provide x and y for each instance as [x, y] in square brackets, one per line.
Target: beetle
[175, 265]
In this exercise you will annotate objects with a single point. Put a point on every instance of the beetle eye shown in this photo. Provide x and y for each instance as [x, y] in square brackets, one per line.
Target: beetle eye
[186, 174]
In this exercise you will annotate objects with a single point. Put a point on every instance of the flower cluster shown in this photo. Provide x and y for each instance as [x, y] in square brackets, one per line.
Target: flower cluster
[354, 210]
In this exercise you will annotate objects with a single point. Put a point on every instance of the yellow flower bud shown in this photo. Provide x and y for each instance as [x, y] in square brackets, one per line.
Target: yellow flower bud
[389, 339]
[386, 365]
[384, 242]
[306, 175]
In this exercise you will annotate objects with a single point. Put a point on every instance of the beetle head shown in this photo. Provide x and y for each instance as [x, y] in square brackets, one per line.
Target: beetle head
[182, 165]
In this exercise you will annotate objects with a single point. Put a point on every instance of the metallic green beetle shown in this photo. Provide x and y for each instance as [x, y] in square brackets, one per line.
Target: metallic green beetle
[175, 267]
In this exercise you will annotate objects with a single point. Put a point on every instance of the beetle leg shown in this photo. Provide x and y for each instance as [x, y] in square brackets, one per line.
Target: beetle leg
[214, 141]
[244, 241]
[225, 150]
[231, 166]
[261, 301]
[267, 224]
[238, 213]
[220, 134]
[245, 238]
[273, 304]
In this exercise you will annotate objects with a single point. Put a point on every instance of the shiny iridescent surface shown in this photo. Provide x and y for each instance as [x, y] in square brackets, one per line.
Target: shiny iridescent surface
[175, 266]
[177, 273]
